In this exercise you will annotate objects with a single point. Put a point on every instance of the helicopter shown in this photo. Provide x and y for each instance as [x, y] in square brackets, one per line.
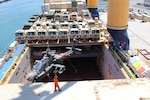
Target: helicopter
[51, 63]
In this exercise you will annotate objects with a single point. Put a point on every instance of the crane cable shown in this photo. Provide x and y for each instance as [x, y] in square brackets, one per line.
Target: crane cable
[72, 66]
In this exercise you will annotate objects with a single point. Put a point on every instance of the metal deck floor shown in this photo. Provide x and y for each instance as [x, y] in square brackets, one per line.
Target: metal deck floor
[80, 90]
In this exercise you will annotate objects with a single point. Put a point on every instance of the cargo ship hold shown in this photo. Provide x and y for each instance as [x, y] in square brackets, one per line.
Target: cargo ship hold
[109, 60]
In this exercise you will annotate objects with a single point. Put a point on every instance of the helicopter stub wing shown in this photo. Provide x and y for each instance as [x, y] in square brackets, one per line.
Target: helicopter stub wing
[74, 49]
[59, 68]
[66, 54]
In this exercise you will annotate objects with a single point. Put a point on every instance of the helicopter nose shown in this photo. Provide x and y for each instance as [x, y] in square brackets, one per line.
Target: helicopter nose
[31, 76]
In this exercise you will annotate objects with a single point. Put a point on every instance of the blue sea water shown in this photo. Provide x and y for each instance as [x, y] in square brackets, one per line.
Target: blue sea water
[13, 15]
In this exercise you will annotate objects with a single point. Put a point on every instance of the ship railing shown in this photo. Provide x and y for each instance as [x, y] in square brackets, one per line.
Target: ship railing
[7, 73]
[5, 78]
[114, 51]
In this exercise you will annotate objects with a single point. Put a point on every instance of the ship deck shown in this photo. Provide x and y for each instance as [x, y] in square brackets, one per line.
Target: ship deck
[79, 90]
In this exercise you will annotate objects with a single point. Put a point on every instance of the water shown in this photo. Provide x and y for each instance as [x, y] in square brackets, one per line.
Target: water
[13, 15]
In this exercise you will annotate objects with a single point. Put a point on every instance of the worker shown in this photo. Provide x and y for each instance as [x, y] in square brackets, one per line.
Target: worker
[55, 79]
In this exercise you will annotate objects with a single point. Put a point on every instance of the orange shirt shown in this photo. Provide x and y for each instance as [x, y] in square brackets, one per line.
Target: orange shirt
[55, 80]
